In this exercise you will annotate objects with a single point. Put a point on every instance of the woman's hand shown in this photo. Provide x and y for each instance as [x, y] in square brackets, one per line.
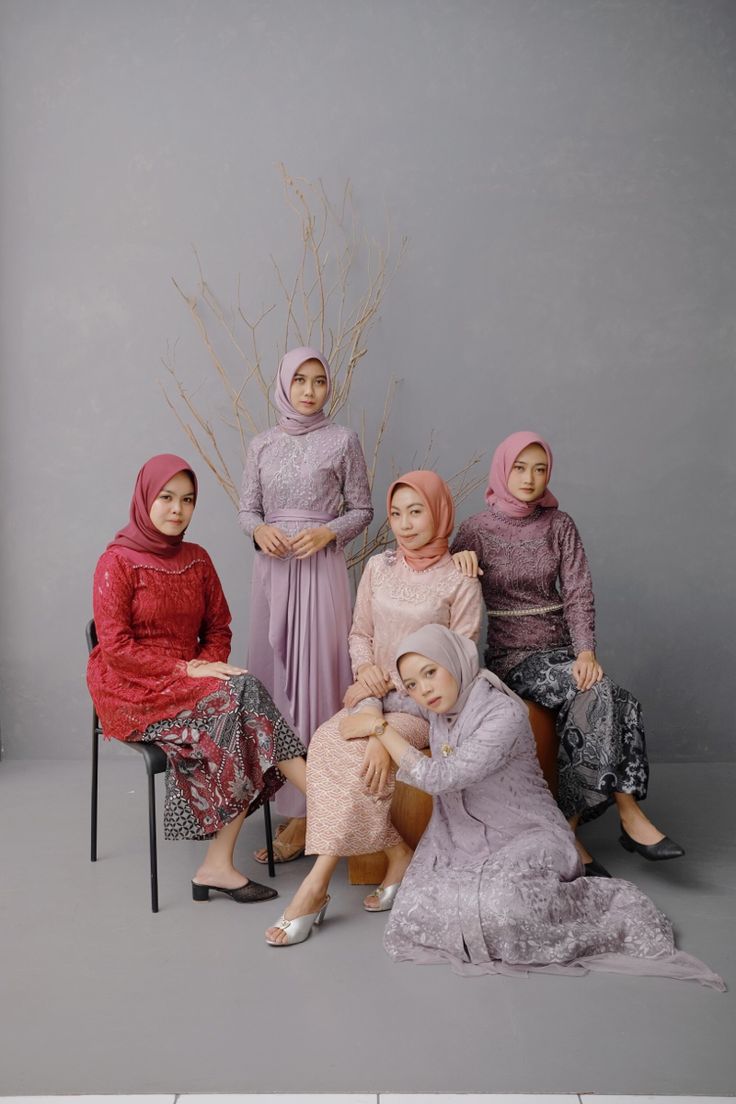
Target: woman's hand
[355, 694]
[467, 564]
[375, 680]
[271, 540]
[309, 541]
[359, 725]
[202, 668]
[376, 767]
[586, 670]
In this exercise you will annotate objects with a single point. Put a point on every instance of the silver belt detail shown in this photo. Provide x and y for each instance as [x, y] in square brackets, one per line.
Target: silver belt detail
[525, 612]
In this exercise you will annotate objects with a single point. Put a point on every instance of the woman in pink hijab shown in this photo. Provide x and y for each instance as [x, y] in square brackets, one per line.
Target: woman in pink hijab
[541, 641]
[160, 674]
[305, 495]
[350, 779]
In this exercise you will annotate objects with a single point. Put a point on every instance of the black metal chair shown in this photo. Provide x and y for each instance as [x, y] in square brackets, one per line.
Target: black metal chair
[155, 763]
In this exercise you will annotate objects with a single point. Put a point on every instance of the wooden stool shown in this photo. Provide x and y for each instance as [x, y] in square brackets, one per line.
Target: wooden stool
[412, 808]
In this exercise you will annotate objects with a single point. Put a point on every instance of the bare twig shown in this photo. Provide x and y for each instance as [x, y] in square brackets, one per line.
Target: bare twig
[316, 302]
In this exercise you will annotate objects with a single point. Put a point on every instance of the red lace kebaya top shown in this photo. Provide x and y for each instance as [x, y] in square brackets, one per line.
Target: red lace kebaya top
[152, 619]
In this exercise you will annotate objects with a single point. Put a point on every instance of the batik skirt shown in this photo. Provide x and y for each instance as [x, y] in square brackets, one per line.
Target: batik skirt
[602, 744]
[223, 757]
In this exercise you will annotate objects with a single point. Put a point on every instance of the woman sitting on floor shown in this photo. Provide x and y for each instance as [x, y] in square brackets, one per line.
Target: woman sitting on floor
[541, 640]
[160, 674]
[496, 884]
[350, 782]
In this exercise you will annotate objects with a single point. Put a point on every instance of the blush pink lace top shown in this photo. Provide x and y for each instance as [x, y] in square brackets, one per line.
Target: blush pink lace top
[394, 600]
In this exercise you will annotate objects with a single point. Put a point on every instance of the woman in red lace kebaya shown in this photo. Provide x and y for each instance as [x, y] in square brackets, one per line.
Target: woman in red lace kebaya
[160, 674]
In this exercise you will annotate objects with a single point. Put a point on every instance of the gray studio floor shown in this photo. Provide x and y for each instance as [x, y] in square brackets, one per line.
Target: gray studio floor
[100, 996]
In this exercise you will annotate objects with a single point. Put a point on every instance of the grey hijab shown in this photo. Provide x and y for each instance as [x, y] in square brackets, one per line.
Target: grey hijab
[458, 655]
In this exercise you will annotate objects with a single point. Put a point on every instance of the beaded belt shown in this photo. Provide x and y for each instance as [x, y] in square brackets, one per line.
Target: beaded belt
[525, 612]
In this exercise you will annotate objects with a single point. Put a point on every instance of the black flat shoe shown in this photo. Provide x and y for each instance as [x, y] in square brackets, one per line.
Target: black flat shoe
[594, 869]
[655, 852]
[245, 895]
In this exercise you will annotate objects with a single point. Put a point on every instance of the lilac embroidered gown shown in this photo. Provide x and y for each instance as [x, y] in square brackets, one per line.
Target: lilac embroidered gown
[301, 609]
[495, 885]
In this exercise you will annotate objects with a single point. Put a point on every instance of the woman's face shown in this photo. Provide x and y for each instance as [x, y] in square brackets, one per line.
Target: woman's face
[410, 520]
[529, 474]
[174, 505]
[309, 388]
[427, 683]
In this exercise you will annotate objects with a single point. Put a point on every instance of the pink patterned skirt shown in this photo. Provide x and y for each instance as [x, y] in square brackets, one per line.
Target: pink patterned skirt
[342, 817]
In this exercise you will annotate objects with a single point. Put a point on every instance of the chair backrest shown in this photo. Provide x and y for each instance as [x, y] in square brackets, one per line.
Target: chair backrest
[90, 632]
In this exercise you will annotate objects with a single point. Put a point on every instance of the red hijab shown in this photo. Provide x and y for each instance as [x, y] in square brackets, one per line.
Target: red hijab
[497, 492]
[140, 535]
[437, 497]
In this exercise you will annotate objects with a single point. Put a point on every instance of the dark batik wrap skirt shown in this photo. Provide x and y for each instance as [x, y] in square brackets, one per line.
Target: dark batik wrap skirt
[223, 757]
[602, 745]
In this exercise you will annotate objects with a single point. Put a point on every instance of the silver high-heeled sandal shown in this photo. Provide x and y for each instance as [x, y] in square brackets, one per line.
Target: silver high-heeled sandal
[298, 929]
[386, 896]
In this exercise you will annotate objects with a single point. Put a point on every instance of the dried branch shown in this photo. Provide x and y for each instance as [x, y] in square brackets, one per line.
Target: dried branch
[317, 300]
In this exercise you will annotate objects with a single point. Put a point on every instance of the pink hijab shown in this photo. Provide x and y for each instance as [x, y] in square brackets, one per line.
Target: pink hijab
[140, 536]
[291, 421]
[497, 492]
[437, 496]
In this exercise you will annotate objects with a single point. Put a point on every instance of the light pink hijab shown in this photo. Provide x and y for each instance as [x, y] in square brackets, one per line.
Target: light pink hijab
[438, 497]
[140, 538]
[497, 492]
[291, 421]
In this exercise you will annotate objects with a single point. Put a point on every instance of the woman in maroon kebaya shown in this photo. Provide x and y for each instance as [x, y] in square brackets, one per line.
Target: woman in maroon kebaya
[541, 642]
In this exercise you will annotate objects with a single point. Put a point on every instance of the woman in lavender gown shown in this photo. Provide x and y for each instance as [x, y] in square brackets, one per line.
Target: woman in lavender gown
[305, 494]
[541, 640]
[496, 884]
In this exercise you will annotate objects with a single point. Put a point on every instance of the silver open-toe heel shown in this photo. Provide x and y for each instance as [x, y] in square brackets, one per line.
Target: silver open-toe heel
[298, 929]
[386, 896]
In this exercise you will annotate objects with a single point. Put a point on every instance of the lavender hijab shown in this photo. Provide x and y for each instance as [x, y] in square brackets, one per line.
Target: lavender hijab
[291, 421]
[458, 655]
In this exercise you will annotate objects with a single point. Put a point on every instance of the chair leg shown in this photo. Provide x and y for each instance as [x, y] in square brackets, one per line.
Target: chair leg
[269, 838]
[93, 804]
[152, 840]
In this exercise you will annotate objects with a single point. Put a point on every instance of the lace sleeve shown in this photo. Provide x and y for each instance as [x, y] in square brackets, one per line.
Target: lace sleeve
[360, 640]
[466, 612]
[215, 635]
[250, 514]
[576, 587]
[482, 752]
[357, 504]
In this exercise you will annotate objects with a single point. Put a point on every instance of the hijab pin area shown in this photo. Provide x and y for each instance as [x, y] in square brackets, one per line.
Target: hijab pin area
[446, 750]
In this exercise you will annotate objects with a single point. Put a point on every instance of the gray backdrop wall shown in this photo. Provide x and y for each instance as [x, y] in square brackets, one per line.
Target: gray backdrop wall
[565, 173]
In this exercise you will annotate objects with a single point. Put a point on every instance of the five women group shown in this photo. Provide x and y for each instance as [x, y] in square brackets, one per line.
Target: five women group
[499, 883]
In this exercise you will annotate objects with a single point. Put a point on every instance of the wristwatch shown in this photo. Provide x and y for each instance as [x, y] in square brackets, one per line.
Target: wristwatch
[380, 728]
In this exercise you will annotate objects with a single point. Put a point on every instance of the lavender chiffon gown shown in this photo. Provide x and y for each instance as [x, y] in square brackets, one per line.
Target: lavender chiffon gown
[300, 611]
[496, 885]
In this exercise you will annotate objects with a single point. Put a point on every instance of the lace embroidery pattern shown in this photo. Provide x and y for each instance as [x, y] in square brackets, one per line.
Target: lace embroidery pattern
[322, 472]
